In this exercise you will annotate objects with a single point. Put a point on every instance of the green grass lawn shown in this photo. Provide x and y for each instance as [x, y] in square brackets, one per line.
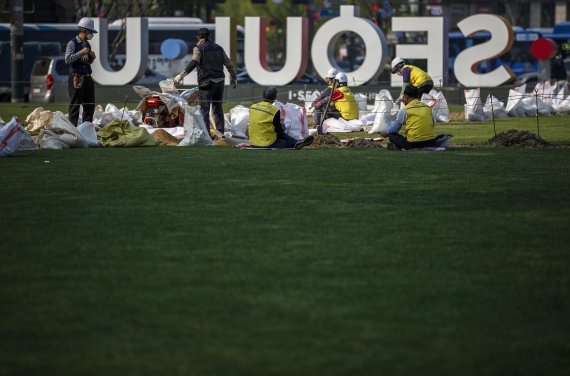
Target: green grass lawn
[217, 261]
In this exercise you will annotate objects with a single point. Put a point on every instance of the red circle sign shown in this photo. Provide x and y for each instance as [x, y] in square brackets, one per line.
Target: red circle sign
[543, 49]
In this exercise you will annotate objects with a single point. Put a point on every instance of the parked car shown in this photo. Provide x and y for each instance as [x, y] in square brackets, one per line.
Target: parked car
[48, 81]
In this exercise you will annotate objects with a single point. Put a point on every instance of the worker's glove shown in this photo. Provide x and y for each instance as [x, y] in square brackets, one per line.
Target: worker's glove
[233, 83]
[85, 59]
[398, 101]
[179, 78]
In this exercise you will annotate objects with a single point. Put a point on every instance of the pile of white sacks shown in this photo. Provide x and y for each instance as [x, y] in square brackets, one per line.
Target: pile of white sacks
[545, 99]
[56, 132]
[372, 118]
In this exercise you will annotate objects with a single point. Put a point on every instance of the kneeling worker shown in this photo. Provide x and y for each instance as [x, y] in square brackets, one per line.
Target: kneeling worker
[412, 76]
[320, 102]
[344, 101]
[418, 120]
[265, 129]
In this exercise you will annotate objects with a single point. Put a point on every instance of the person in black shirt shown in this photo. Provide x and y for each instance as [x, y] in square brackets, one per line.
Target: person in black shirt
[210, 59]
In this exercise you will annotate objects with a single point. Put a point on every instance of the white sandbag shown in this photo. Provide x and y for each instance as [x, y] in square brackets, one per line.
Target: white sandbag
[38, 119]
[239, 121]
[60, 134]
[361, 100]
[515, 107]
[440, 109]
[167, 86]
[294, 120]
[494, 108]
[89, 133]
[473, 105]
[564, 106]
[520, 89]
[2, 122]
[195, 131]
[27, 143]
[10, 135]
[533, 104]
[341, 125]
[383, 105]
[558, 96]
[101, 117]
[545, 91]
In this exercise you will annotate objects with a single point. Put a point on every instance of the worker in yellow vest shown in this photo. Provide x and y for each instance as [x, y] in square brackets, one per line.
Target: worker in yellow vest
[412, 76]
[418, 120]
[344, 101]
[265, 128]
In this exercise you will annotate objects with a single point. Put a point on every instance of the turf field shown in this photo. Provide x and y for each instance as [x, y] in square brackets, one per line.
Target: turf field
[216, 261]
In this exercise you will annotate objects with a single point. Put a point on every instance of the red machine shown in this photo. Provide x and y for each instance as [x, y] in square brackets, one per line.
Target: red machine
[156, 114]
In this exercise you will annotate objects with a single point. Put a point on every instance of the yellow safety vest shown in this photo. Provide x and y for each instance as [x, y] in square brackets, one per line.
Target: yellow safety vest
[261, 129]
[419, 122]
[417, 76]
[347, 105]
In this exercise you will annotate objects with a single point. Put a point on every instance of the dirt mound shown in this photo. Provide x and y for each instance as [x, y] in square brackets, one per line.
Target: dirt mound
[514, 138]
[164, 138]
[456, 116]
[363, 143]
[326, 141]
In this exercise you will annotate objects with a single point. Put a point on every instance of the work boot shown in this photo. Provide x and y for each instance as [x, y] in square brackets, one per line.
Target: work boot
[305, 142]
[391, 146]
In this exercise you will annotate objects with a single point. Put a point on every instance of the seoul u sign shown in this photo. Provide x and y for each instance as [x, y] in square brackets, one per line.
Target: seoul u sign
[435, 50]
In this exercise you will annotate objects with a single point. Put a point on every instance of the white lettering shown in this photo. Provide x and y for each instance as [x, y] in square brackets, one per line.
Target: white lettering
[501, 41]
[136, 57]
[435, 50]
[256, 53]
[322, 51]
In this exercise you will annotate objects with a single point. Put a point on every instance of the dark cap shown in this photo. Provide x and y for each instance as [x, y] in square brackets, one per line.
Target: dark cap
[412, 91]
[203, 32]
[270, 93]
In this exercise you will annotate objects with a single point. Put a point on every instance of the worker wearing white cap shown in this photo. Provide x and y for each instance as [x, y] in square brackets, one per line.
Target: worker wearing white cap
[412, 76]
[78, 54]
[320, 102]
[344, 100]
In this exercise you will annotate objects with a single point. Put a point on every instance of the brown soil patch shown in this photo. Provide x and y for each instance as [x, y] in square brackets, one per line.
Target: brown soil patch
[164, 138]
[363, 143]
[514, 138]
[456, 116]
[221, 142]
[326, 141]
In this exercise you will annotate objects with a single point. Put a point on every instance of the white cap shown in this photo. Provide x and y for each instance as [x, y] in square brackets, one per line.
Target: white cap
[331, 73]
[341, 77]
[396, 63]
[87, 23]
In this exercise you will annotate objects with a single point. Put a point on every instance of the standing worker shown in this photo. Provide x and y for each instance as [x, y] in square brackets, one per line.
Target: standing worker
[265, 128]
[412, 76]
[78, 54]
[320, 102]
[210, 60]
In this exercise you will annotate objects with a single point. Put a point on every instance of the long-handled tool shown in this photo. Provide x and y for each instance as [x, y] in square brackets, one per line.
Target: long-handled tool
[324, 116]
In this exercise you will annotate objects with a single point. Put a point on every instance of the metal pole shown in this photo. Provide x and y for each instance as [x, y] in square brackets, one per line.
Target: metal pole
[537, 121]
[17, 49]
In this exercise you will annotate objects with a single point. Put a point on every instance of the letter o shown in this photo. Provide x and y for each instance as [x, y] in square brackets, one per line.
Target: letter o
[373, 38]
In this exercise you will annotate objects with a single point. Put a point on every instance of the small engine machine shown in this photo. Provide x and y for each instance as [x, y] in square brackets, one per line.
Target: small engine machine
[156, 114]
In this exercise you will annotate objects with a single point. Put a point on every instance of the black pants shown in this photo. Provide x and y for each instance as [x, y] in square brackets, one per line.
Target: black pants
[84, 96]
[402, 143]
[332, 112]
[425, 88]
[213, 95]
